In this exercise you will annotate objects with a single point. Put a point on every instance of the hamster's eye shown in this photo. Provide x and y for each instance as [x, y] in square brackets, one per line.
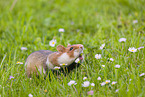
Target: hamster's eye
[71, 48]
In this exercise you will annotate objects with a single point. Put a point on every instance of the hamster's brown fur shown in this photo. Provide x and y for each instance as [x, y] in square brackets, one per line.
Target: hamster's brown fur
[43, 60]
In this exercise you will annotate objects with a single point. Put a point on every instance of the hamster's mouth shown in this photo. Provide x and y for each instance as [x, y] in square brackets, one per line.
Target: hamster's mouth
[81, 56]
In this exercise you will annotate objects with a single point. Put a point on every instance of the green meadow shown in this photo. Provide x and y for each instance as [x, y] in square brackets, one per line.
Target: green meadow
[34, 23]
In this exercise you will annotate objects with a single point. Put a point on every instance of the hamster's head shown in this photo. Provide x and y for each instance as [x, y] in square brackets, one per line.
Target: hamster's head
[69, 54]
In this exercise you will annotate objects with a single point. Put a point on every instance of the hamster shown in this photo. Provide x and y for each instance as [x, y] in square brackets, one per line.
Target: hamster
[43, 60]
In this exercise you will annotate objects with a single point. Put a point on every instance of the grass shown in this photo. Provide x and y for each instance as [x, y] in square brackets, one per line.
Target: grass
[33, 23]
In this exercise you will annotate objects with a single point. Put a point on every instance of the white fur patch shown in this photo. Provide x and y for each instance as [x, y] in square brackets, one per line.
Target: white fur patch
[49, 65]
[76, 53]
[64, 58]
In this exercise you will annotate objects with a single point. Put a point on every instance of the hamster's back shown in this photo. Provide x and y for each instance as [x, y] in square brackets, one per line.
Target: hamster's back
[36, 59]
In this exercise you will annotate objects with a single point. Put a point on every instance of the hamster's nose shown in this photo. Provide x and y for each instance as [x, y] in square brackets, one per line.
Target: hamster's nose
[82, 47]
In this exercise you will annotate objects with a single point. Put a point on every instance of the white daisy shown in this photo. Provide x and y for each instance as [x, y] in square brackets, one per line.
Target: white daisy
[103, 83]
[135, 21]
[63, 64]
[132, 49]
[122, 40]
[113, 83]
[107, 81]
[111, 59]
[92, 84]
[102, 46]
[116, 90]
[140, 47]
[142, 74]
[19, 62]
[11, 77]
[99, 78]
[52, 42]
[103, 65]
[23, 48]
[56, 67]
[30, 95]
[72, 82]
[98, 56]
[86, 84]
[117, 66]
[61, 30]
[84, 78]
[77, 60]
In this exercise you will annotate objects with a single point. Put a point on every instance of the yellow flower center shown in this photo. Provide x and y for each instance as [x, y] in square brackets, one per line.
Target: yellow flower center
[63, 64]
[132, 50]
[107, 82]
[53, 42]
[18, 62]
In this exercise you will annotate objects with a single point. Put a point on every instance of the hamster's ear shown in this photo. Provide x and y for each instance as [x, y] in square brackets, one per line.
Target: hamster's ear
[60, 48]
[68, 45]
